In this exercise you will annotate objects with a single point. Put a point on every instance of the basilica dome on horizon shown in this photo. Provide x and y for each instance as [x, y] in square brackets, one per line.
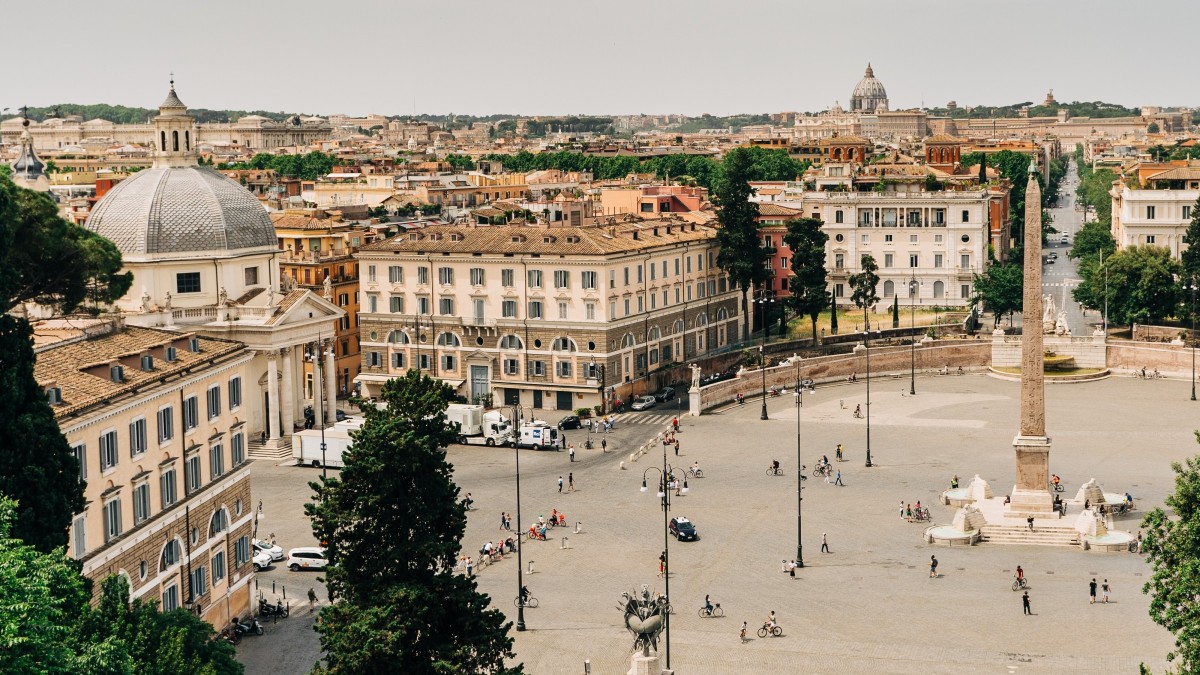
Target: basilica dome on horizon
[869, 94]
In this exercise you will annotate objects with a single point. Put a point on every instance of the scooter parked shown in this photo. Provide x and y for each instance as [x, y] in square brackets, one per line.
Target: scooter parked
[246, 628]
[267, 609]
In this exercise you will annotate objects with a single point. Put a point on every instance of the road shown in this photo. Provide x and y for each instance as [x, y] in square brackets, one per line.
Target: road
[1061, 277]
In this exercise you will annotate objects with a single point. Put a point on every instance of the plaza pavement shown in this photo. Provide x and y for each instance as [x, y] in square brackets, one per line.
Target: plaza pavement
[868, 605]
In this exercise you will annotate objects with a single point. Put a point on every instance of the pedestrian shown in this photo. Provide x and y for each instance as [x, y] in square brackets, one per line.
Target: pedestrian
[571, 482]
[828, 477]
[502, 521]
[560, 485]
[312, 599]
[604, 444]
[742, 635]
[1104, 591]
[1025, 603]
[676, 448]
[1092, 591]
[508, 521]
[675, 423]
[263, 437]
[838, 455]
[902, 509]
[824, 544]
[1030, 521]
[572, 452]
[792, 570]
[933, 566]
[839, 479]
[470, 566]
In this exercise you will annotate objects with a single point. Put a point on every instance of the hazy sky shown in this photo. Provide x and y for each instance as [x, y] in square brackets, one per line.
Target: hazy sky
[595, 57]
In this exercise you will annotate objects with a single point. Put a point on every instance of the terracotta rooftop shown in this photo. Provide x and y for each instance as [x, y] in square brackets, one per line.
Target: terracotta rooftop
[769, 209]
[1179, 173]
[943, 138]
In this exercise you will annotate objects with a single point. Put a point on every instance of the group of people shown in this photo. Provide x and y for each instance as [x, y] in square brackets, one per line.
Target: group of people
[669, 439]
[538, 530]
[910, 513]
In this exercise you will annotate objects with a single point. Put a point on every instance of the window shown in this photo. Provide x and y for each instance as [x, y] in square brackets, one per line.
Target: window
[241, 551]
[966, 216]
[199, 581]
[689, 264]
[422, 305]
[187, 282]
[476, 276]
[562, 310]
[508, 309]
[166, 485]
[506, 278]
[913, 259]
[191, 413]
[535, 278]
[562, 279]
[783, 263]
[1150, 239]
[141, 503]
[589, 311]
[537, 368]
[397, 304]
[626, 276]
[589, 281]
[512, 366]
[423, 276]
[653, 269]
[448, 340]
[449, 362]
[343, 299]
[446, 306]
[191, 473]
[137, 437]
[965, 261]
[398, 360]
[535, 309]
[373, 359]
[653, 301]
[887, 260]
[639, 273]
[965, 290]
[839, 260]
[395, 274]
[446, 276]
[1150, 213]
[887, 238]
[370, 273]
[216, 461]
[80, 452]
[511, 342]
[1187, 212]
[170, 598]
[237, 449]
[939, 216]
[423, 361]
[108, 450]
[837, 216]
[937, 259]
[218, 523]
[627, 307]
[677, 267]
[866, 239]
[612, 278]
[79, 529]
[612, 309]
[700, 288]
[251, 276]
[912, 239]
[218, 567]
[563, 368]
[214, 401]
[372, 303]
[112, 519]
[235, 392]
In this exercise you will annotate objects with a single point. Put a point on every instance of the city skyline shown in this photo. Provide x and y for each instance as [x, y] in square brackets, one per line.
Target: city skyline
[481, 58]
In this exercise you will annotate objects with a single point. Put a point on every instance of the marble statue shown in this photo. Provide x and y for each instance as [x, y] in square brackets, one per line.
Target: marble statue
[1048, 312]
[1061, 327]
[167, 302]
[145, 300]
[328, 284]
[644, 617]
[695, 376]
[222, 297]
[270, 296]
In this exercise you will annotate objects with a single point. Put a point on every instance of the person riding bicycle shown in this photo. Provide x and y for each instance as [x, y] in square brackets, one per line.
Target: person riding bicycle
[1020, 574]
[695, 468]
[775, 465]
[825, 460]
[770, 622]
[1128, 500]
[708, 606]
[1056, 480]
[524, 595]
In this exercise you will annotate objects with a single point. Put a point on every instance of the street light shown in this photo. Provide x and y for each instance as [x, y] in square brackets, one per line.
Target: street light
[664, 493]
[867, 345]
[913, 286]
[520, 563]
[799, 396]
[317, 358]
[764, 302]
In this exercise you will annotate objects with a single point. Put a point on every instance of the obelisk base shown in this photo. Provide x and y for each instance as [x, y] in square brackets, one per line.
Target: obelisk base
[1031, 495]
[644, 665]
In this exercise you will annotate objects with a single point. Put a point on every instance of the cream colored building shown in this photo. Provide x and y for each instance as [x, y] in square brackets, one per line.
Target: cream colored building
[547, 317]
[159, 423]
[1158, 215]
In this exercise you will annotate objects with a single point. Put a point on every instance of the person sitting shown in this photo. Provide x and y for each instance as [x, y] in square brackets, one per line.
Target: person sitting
[554, 518]
[954, 482]
[541, 519]
[960, 370]
[542, 533]
[945, 370]
[695, 467]
[1020, 573]
[1007, 500]
[825, 460]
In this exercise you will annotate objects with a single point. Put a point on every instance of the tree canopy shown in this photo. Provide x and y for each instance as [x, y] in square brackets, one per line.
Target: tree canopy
[742, 255]
[865, 283]
[399, 607]
[1000, 289]
[1142, 285]
[305, 167]
[808, 285]
[1190, 258]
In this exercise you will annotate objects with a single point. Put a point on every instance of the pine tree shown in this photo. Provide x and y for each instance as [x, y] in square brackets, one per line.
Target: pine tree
[1190, 258]
[832, 314]
[741, 255]
[896, 311]
[865, 283]
[809, 288]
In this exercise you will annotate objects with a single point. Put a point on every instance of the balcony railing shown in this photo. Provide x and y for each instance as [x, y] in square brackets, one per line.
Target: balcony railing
[318, 256]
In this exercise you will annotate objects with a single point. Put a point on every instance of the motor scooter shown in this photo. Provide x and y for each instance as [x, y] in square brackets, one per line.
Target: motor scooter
[267, 609]
[245, 628]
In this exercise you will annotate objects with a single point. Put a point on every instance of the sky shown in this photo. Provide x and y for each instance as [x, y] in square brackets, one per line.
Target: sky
[558, 57]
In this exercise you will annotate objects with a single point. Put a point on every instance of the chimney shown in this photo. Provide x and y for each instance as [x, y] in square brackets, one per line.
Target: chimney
[194, 345]
[147, 363]
[170, 354]
[117, 373]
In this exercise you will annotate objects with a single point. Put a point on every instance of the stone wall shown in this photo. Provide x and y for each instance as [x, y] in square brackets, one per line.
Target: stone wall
[1157, 333]
[1088, 351]
[885, 362]
[1172, 360]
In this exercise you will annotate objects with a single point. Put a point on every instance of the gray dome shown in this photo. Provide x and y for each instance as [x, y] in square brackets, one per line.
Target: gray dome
[868, 93]
[171, 210]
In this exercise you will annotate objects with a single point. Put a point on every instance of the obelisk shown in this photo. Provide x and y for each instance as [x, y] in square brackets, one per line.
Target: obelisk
[1031, 495]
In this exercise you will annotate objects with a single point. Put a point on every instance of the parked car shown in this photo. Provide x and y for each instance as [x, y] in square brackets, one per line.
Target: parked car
[570, 422]
[306, 558]
[643, 403]
[665, 394]
[807, 383]
[341, 415]
[275, 551]
[262, 560]
[1054, 255]
[683, 529]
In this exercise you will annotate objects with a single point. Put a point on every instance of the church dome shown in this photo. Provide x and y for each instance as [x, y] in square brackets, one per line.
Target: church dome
[166, 211]
[869, 93]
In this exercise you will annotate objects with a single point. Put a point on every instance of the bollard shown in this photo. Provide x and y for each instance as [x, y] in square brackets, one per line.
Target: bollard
[632, 457]
[530, 567]
[587, 667]
[578, 527]
[284, 590]
[622, 465]
[563, 543]
[272, 585]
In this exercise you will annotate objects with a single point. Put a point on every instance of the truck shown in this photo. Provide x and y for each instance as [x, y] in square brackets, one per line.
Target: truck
[477, 426]
[306, 445]
[538, 435]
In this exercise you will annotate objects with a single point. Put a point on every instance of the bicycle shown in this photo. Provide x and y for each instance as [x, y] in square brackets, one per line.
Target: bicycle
[823, 470]
[1019, 583]
[530, 602]
[695, 473]
[704, 612]
[921, 514]
[1057, 487]
[772, 471]
[775, 631]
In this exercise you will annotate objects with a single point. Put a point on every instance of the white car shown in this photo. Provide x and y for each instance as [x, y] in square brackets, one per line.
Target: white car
[262, 560]
[644, 403]
[275, 550]
[306, 558]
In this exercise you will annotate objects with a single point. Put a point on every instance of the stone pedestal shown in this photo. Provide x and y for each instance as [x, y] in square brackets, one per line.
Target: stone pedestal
[1031, 495]
[694, 401]
[644, 665]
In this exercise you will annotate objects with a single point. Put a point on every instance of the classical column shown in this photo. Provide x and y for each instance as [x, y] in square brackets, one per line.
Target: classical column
[289, 388]
[272, 424]
[1031, 494]
[317, 391]
[330, 384]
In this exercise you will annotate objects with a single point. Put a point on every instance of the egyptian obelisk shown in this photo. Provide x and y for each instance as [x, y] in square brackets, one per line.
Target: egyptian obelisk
[1031, 495]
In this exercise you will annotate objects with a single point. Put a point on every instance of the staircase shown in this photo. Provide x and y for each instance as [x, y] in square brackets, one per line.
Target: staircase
[282, 449]
[1041, 535]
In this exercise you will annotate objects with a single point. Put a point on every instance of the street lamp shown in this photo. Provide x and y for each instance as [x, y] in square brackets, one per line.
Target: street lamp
[317, 358]
[867, 345]
[913, 286]
[764, 302]
[664, 493]
[520, 563]
[799, 396]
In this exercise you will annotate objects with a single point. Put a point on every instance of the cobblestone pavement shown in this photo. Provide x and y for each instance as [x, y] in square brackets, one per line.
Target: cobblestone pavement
[869, 604]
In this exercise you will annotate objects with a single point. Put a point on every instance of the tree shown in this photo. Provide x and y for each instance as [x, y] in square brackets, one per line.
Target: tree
[1173, 550]
[399, 606]
[833, 328]
[1000, 289]
[1152, 128]
[896, 311]
[741, 255]
[1190, 258]
[809, 288]
[1092, 238]
[865, 283]
[1141, 285]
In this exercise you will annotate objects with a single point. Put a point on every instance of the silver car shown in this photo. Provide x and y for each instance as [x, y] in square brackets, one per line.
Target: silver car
[644, 403]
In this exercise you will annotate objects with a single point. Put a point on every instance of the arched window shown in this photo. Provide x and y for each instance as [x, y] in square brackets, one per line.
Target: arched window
[722, 314]
[187, 141]
[163, 143]
[511, 342]
[678, 326]
[171, 554]
[448, 340]
[175, 140]
[564, 344]
[398, 337]
[628, 341]
[939, 289]
[653, 334]
[219, 522]
[702, 319]
[889, 288]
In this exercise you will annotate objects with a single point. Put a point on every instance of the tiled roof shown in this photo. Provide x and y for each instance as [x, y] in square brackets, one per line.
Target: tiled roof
[943, 138]
[1180, 173]
[81, 368]
[769, 209]
[286, 303]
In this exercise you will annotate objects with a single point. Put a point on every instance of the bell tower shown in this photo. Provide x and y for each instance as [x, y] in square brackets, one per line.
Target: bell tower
[174, 133]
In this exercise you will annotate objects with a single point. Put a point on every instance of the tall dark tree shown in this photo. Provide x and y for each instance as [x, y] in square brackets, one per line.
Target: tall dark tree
[1190, 258]
[741, 255]
[400, 607]
[808, 285]
[896, 311]
[833, 327]
[865, 283]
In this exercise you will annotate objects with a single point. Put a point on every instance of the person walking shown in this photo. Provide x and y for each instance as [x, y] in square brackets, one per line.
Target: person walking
[676, 447]
[604, 444]
[901, 509]
[470, 566]
[571, 482]
[742, 634]
[1030, 521]
[502, 522]
[824, 544]
[1025, 603]
[839, 479]
[792, 570]
[933, 567]
[1104, 591]
[560, 485]
[1092, 592]
[312, 599]
[572, 452]
[838, 454]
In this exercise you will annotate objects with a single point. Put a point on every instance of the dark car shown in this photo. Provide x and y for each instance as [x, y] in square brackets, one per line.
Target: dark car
[570, 422]
[341, 416]
[664, 394]
[683, 529]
